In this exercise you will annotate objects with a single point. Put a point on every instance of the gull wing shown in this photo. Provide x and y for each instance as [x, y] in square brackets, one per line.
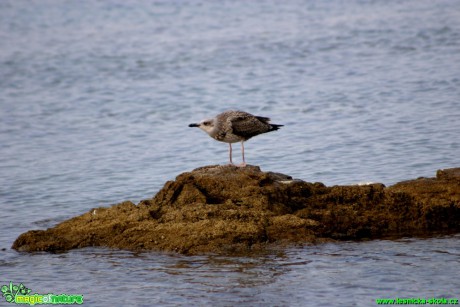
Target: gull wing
[248, 126]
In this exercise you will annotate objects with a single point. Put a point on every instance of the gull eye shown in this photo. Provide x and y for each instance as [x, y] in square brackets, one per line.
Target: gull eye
[206, 123]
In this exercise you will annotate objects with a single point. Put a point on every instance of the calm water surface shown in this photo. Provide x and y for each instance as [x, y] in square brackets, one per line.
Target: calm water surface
[96, 96]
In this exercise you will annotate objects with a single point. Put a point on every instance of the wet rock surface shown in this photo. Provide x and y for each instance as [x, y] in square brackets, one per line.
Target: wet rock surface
[226, 209]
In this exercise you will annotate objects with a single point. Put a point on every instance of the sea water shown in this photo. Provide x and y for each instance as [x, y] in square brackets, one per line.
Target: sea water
[95, 102]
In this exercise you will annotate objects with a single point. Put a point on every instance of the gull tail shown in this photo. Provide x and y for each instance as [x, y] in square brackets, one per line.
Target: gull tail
[274, 127]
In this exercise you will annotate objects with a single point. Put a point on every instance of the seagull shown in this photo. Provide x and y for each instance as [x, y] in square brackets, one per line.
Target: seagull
[235, 126]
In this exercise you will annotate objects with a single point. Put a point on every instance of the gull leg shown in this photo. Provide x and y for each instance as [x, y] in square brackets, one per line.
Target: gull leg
[242, 152]
[230, 153]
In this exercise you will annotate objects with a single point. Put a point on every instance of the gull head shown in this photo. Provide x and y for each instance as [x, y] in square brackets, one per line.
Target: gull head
[206, 125]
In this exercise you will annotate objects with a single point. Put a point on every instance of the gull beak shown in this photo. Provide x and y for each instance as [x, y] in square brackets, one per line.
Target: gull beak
[194, 125]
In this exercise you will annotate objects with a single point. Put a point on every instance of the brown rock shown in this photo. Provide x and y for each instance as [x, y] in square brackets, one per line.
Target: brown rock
[229, 209]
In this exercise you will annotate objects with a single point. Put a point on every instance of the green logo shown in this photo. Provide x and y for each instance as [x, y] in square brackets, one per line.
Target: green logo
[19, 294]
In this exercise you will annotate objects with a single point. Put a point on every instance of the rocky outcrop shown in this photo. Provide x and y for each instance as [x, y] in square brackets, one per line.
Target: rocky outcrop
[222, 209]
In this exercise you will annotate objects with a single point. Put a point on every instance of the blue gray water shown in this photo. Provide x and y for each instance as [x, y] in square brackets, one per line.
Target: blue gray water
[96, 96]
